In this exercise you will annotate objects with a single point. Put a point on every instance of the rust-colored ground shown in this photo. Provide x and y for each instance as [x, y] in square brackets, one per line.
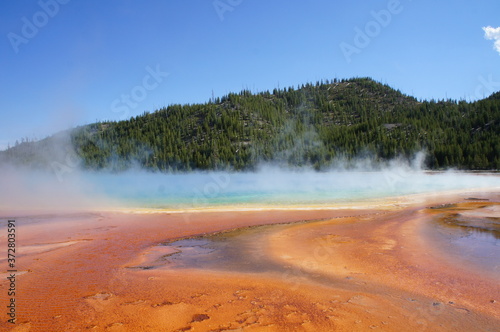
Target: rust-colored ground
[354, 270]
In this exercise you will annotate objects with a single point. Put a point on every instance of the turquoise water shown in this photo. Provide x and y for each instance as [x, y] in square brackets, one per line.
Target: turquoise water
[202, 190]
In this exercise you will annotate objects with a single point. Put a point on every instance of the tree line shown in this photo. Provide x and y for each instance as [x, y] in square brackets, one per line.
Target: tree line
[310, 125]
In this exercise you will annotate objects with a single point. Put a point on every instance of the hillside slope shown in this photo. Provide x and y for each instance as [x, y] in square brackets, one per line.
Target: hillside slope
[313, 124]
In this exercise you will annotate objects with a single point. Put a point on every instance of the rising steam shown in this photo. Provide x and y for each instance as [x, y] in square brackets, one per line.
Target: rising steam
[29, 190]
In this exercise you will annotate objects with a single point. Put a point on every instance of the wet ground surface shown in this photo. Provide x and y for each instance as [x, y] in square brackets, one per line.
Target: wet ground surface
[240, 250]
[472, 234]
[373, 270]
[469, 233]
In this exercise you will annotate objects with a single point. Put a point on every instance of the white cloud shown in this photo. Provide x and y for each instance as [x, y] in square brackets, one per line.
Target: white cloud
[491, 33]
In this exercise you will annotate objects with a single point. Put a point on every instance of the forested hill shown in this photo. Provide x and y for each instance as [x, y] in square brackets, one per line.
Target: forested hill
[314, 124]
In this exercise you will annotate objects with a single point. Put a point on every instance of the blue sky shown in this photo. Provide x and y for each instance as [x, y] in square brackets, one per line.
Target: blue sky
[70, 62]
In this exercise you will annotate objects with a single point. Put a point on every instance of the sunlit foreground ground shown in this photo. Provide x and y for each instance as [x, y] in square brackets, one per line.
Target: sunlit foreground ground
[417, 263]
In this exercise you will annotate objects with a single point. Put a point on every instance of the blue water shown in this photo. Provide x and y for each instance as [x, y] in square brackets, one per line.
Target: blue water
[275, 187]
